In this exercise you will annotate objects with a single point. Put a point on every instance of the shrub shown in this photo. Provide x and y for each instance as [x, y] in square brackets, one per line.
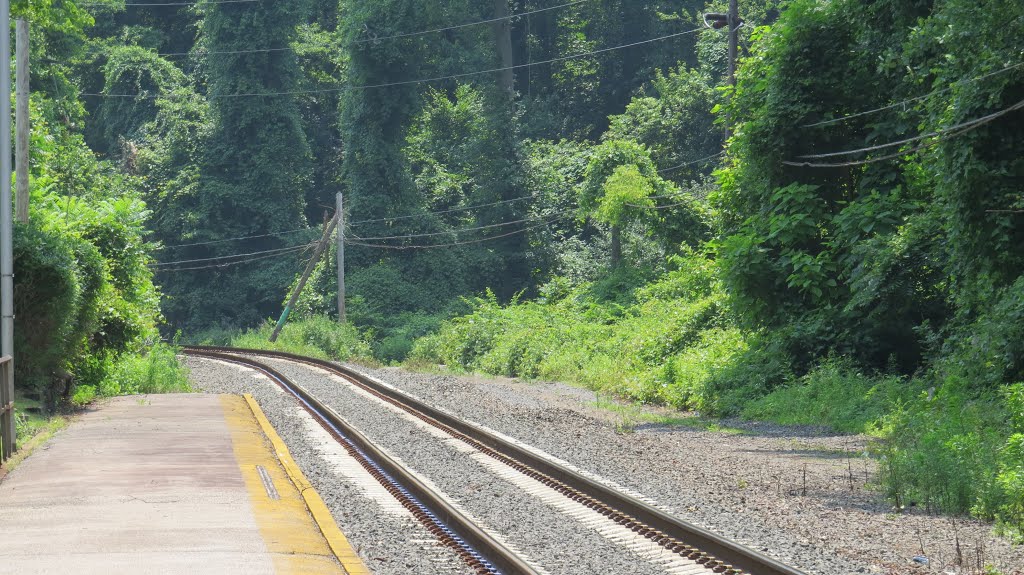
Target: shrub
[155, 371]
[316, 336]
[837, 395]
[59, 282]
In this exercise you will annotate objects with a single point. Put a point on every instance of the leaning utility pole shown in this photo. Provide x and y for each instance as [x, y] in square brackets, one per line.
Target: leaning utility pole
[320, 247]
[339, 201]
[6, 215]
[21, 123]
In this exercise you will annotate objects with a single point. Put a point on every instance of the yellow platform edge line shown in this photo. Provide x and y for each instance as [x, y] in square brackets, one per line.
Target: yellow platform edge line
[339, 544]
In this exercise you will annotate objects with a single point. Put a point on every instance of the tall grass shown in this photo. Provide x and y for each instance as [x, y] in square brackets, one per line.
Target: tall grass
[661, 344]
[155, 371]
[946, 443]
[315, 336]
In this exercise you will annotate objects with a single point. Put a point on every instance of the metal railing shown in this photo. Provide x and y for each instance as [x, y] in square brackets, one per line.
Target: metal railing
[7, 434]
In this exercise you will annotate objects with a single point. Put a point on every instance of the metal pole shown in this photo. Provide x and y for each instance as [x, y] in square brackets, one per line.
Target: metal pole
[320, 247]
[339, 205]
[21, 124]
[6, 209]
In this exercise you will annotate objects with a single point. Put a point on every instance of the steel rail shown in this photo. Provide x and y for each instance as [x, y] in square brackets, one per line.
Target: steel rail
[718, 553]
[474, 545]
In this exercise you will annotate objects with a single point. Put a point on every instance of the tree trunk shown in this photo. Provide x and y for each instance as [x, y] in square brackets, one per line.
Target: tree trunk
[616, 247]
[503, 40]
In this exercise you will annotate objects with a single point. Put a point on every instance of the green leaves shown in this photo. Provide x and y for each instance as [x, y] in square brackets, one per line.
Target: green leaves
[626, 193]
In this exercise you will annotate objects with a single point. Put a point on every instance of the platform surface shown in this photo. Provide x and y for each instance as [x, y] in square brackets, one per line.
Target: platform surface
[180, 484]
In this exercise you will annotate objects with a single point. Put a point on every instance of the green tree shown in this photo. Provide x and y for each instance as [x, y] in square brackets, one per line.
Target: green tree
[254, 170]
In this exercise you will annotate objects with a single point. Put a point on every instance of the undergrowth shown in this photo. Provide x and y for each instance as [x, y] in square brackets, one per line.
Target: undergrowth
[943, 444]
[154, 370]
[664, 343]
[315, 336]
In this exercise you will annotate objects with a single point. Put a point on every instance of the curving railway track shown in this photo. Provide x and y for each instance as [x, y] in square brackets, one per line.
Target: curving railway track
[693, 550]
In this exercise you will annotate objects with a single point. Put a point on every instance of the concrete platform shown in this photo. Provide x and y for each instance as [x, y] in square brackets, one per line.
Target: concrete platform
[165, 484]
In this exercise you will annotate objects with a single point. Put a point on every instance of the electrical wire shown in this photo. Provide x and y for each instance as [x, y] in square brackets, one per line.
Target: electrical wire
[658, 207]
[915, 99]
[361, 41]
[449, 232]
[939, 136]
[396, 218]
[144, 4]
[460, 243]
[968, 123]
[274, 251]
[410, 82]
[465, 209]
[211, 242]
[228, 264]
[459, 26]
[680, 166]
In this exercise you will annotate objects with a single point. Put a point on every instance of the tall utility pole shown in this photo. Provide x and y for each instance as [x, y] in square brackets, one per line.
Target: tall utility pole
[21, 124]
[503, 39]
[320, 247]
[732, 23]
[6, 215]
[734, 38]
[338, 208]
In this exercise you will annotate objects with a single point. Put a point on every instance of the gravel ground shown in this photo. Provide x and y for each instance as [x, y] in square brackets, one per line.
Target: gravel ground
[541, 533]
[801, 495]
[390, 542]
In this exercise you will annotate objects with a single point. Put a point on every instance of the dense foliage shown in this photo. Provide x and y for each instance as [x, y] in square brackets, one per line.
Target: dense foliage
[86, 307]
[548, 195]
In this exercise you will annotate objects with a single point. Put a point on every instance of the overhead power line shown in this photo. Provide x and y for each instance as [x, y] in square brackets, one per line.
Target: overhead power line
[658, 207]
[360, 41]
[262, 252]
[940, 136]
[391, 219]
[915, 99]
[690, 163]
[968, 123]
[225, 240]
[453, 244]
[411, 82]
[448, 211]
[233, 263]
[468, 24]
[449, 232]
[144, 4]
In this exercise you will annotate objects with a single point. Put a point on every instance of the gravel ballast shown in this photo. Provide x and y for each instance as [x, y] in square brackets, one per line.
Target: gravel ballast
[804, 496]
[801, 495]
[544, 536]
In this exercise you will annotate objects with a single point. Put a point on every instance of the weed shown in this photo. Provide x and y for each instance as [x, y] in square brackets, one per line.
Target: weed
[156, 371]
[316, 336]
[84, 395]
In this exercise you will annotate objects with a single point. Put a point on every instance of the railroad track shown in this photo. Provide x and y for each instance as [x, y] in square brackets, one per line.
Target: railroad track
[705, 551]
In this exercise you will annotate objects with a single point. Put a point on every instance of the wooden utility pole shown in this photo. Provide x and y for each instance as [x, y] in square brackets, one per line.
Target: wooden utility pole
[21, 123]
[733, 23]
[734, 38]
[320, 247]
[339, 201]
[503, 38]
